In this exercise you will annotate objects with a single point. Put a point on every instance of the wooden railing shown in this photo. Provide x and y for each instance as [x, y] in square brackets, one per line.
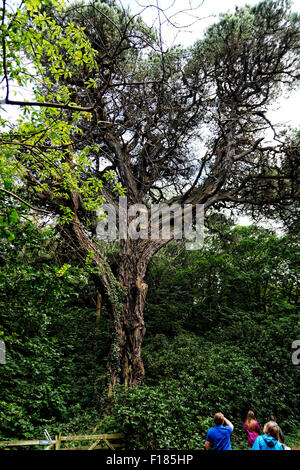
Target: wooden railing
[100, 441]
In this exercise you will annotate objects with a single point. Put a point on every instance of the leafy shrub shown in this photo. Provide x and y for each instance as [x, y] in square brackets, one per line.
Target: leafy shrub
[188, 380]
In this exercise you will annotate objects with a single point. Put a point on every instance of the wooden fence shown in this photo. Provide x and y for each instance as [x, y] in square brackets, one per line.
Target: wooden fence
[100, 441]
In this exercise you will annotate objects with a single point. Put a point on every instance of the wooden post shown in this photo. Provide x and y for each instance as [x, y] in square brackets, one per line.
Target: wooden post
[57, 441]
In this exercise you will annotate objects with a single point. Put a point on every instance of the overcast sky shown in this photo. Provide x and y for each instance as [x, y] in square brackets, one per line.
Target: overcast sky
[183, 13]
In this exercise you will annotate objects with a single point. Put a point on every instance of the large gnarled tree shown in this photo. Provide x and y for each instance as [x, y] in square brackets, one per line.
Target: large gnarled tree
[186, 126]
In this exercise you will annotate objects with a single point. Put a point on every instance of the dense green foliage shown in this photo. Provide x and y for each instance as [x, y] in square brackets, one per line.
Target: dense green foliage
[48, 324]
[220, 322]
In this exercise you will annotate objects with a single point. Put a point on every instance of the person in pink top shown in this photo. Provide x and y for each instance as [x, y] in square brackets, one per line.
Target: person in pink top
[252, 428]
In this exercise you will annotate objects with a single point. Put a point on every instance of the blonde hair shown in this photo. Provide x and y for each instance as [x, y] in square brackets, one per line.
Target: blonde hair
[272, 429]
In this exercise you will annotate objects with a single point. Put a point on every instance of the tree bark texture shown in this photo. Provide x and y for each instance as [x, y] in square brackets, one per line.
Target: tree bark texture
[130, 326]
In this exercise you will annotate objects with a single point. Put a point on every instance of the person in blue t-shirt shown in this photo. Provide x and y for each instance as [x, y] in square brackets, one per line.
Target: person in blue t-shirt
[218, 437]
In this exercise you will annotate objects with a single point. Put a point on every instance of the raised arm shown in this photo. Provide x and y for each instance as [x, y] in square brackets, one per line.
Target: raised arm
[227, 422]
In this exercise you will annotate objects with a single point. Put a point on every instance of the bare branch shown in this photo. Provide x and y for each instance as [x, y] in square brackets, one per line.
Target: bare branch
[88, 109]
[9, 193]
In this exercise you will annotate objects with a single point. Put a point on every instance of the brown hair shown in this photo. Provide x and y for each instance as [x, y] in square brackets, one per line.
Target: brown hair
[272, 429]
[219, 418]
[250, 420]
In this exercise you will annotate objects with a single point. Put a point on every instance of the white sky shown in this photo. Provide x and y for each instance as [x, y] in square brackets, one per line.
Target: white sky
[185, 12]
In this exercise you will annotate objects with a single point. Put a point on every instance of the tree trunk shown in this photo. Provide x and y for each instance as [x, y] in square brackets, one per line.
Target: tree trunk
[129, 327]
[126, 293]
